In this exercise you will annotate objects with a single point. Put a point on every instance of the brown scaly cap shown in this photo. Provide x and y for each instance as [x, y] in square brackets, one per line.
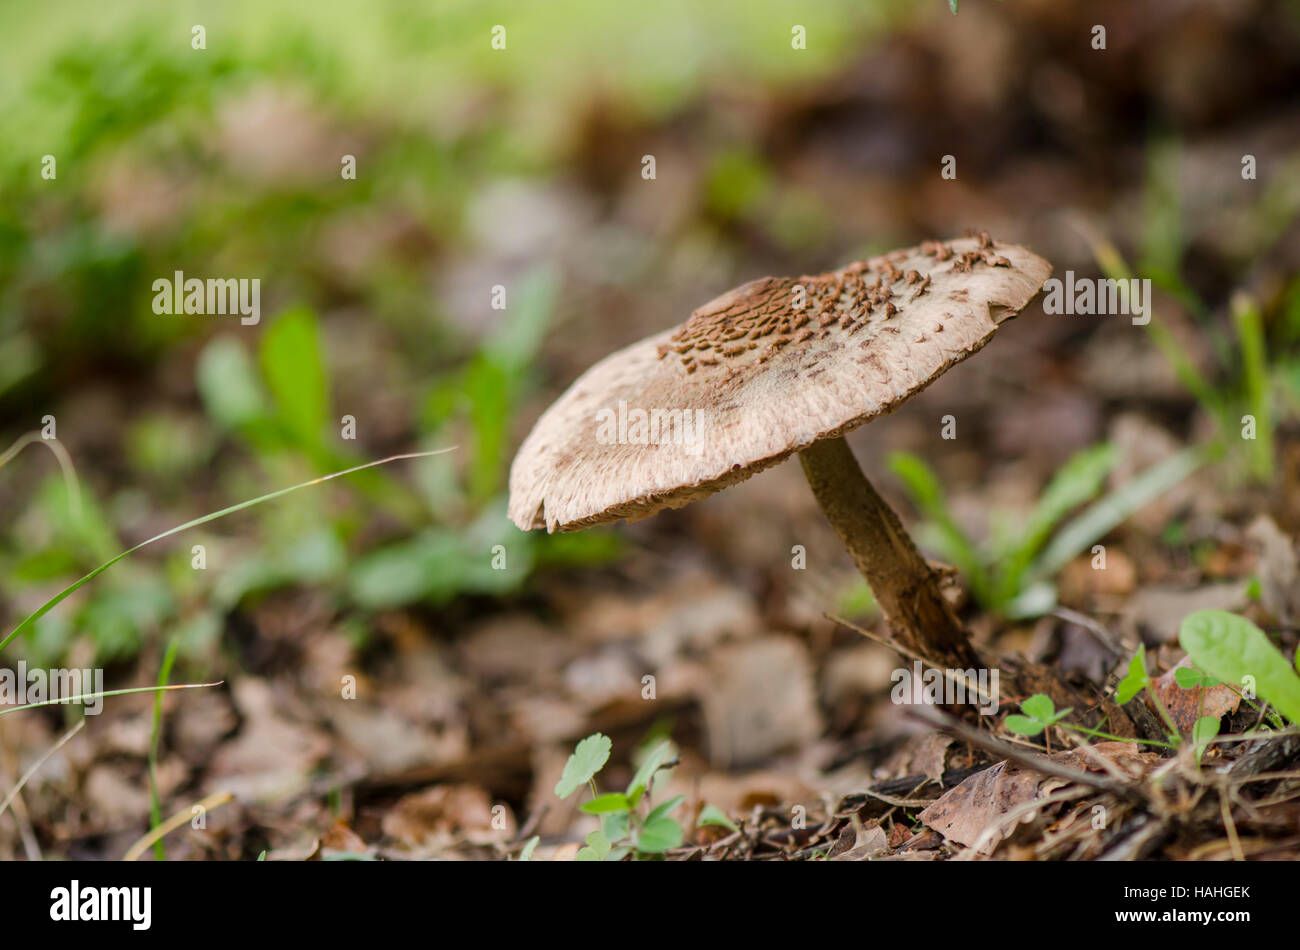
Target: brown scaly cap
[764, 371]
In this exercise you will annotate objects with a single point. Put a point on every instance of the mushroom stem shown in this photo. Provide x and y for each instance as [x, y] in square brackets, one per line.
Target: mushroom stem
[902, 581]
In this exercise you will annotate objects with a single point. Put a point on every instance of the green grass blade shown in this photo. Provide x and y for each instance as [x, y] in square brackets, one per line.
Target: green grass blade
[110, 692]
[155, 801]
[1074, 483]
[72, 588]
[1250, 335]
[923, 488]
[1100, 518]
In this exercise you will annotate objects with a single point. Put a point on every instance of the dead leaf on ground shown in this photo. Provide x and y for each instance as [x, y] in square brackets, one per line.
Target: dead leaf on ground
[272, 757]
[1188, 705]
[986, 798]
[434, 818]
[859, 844]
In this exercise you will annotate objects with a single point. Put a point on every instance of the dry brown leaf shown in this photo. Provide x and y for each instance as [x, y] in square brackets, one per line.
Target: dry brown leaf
[859, 844]
[962, 814]
[1188, 705]
[431, 819]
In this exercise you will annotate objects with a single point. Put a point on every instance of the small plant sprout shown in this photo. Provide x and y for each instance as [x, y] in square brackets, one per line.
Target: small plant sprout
[1038, 712]
[628, 823]
[1136, 680]
[713, 815]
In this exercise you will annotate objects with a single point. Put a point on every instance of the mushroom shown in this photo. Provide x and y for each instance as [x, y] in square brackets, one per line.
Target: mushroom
[777, 366]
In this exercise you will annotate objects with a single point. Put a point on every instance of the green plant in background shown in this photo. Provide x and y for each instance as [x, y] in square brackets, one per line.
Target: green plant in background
[628, 823]
[1247, 379]
[31, 620]
[1011, 574]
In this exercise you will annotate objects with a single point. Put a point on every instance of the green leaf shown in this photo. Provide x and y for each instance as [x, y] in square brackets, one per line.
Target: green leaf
[952, 5]
[1187, 677]
[664, 808]
[1137, 678]
[713, 815]
[529, 847]
[1206, 728]
[295, 374]
[616, 824]
[611, 801]
[598, 843]
[1039, 706]
[658, 836]
[649, 766]
[589, 757]
[1233, 649]
[1023, 725]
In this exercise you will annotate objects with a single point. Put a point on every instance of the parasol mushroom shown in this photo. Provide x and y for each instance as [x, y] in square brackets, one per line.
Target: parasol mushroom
[777, 366]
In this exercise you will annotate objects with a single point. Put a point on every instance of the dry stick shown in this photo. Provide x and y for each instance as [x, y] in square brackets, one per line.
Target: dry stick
[13, 793]
[901, 802]
[1230, 826]
[175, 821]
[1099, 632]
[1029, 760]
[1106, 764]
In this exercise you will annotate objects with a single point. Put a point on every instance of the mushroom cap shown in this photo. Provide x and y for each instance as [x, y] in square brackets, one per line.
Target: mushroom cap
[761, 372]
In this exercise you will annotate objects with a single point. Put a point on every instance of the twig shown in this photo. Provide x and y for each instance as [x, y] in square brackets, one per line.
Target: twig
[1029, 760]
[951, 675]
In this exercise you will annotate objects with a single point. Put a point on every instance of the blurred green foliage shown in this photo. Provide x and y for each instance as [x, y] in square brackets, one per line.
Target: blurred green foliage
[1012, 572]
[153, 176]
